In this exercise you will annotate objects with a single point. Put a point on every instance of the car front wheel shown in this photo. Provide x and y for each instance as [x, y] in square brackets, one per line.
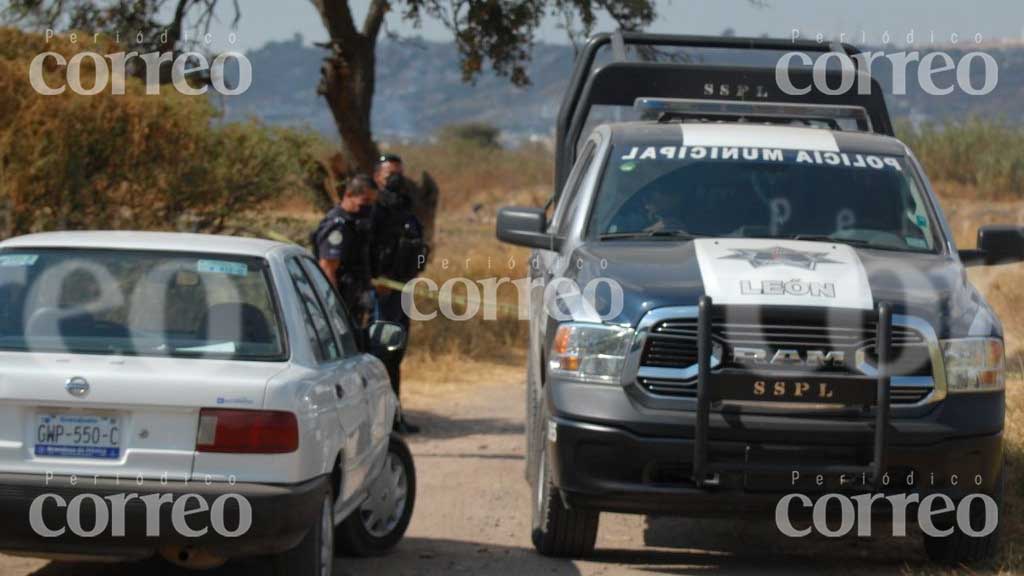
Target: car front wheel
[314, 556]
[959, 548]
[380, 523]
[560, 531]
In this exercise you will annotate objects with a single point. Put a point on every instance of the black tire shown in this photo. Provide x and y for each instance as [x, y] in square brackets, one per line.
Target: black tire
[365, 533]
[960, 549]
[534, 441]
[314, 556]
[559, 531]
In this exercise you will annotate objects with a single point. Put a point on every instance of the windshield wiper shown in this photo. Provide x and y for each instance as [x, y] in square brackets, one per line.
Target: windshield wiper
[680, 234]
[827, 238]
[851, 241]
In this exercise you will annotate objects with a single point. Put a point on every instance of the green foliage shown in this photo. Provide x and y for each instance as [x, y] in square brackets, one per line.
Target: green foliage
[132, 161]
[982, 154]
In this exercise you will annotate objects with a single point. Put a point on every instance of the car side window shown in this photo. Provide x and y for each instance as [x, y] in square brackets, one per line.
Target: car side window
[336, 313]
[323, 343]
[567, 204]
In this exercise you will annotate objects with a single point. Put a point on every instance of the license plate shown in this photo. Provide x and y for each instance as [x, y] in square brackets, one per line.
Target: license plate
[78, 435]
[810, 388]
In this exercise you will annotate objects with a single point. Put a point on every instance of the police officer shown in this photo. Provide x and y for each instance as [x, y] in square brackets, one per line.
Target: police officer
[399, 250]
[341, 244]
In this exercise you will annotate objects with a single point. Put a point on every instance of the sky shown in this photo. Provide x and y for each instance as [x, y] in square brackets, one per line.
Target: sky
[274, 20]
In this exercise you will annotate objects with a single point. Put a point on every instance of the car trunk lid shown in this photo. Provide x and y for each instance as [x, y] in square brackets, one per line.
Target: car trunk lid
[115, 416]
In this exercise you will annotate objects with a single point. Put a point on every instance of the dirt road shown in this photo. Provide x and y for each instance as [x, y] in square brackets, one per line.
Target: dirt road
[473, 512]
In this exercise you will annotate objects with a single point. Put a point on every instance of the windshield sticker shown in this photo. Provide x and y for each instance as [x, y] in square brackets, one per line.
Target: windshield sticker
[628, 166]
[873, 161]
[217, 348]
[223, 267]
[18, 260]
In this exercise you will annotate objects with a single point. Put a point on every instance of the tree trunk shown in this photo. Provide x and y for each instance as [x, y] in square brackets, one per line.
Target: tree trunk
[347, 82]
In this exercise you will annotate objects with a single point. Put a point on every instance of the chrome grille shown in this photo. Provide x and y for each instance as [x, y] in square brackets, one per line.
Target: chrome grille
[672, 345]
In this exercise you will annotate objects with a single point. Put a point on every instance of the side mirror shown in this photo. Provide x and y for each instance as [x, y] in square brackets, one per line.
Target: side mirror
[386, 338]
[1001, 244]
[526, 227]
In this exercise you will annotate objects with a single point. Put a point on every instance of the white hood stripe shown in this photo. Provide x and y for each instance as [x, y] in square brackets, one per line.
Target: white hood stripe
[783, 273]
[745, 136]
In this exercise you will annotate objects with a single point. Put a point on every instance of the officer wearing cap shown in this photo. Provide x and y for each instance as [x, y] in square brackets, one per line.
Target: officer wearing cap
[400, 249]
[341, 244]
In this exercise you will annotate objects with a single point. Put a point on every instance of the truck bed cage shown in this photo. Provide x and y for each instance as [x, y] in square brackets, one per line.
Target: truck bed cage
[623, 80]
[668, 109]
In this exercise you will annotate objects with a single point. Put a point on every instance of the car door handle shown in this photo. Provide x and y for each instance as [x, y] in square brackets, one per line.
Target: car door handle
[339, 390]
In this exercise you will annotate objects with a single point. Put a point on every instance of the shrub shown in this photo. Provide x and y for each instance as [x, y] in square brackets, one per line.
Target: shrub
[985, 155]
[132, 161]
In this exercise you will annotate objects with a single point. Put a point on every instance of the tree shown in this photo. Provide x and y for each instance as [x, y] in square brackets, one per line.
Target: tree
[163, 23]
[499, 31]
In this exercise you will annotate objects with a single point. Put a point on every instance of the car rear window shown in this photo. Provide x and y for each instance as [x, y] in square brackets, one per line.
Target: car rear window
[138, 303]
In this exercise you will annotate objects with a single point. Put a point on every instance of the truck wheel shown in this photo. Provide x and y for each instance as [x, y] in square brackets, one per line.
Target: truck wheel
[378, 525]
[534, 442]
[314, 556]
[959, 548]
[559, 531]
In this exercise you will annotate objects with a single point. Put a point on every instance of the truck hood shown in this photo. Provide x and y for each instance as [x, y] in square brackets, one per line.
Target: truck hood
[766, 272]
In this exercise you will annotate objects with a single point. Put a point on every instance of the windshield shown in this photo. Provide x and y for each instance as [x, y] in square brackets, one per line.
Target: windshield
[678, 191]
[138, 303]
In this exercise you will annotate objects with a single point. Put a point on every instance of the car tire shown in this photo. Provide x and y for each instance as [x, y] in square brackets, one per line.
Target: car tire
[534, 441]
[314, 556]
[961, 549]
[380, 522]
[559, 531]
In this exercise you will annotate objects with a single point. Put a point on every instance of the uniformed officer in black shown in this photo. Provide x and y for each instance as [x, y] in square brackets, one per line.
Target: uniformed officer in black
[342, 246]
[399, 250]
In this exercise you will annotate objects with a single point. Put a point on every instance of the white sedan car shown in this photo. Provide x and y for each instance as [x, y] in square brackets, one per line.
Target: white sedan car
[197, 397]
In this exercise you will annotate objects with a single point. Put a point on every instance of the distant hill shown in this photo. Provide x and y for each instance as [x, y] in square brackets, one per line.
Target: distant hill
[419, 89]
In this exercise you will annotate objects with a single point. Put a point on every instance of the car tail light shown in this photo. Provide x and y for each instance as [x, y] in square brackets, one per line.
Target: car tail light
[247, 431]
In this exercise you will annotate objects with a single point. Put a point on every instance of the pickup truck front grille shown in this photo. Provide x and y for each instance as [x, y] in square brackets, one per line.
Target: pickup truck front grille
[898, 395]
[669, 355]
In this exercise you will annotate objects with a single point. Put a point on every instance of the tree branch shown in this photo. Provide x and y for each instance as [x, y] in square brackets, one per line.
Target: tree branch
[374, 18]
[337, 19]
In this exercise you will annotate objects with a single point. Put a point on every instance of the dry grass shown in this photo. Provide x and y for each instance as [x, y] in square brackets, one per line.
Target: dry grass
[1011, 559]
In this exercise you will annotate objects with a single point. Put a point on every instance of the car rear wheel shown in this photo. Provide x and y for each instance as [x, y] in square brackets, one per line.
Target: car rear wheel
[557, 530]
[380, 523]
[314, 556]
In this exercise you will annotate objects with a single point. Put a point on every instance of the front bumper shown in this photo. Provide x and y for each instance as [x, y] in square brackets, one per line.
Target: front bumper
[280, 516]
[611, 469]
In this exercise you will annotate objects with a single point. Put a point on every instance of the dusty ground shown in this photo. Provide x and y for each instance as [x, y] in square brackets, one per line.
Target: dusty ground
[473, 511]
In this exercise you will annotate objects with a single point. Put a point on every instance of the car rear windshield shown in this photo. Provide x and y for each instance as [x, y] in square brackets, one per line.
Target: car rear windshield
[138, 303]
[673, 191]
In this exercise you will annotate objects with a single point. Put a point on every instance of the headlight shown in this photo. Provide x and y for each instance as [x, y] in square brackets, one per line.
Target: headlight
[974, 364]
[590, 352]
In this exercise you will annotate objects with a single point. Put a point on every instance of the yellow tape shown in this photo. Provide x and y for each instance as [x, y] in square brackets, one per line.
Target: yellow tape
[503, 308]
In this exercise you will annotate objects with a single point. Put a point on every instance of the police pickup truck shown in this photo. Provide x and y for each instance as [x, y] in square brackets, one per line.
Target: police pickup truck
[747, 298]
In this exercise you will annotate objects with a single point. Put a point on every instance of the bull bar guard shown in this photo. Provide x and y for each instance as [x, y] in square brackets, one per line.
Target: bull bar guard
[708, 390]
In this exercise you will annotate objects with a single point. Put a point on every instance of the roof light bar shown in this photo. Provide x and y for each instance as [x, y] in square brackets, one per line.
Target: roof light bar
[656, 107]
